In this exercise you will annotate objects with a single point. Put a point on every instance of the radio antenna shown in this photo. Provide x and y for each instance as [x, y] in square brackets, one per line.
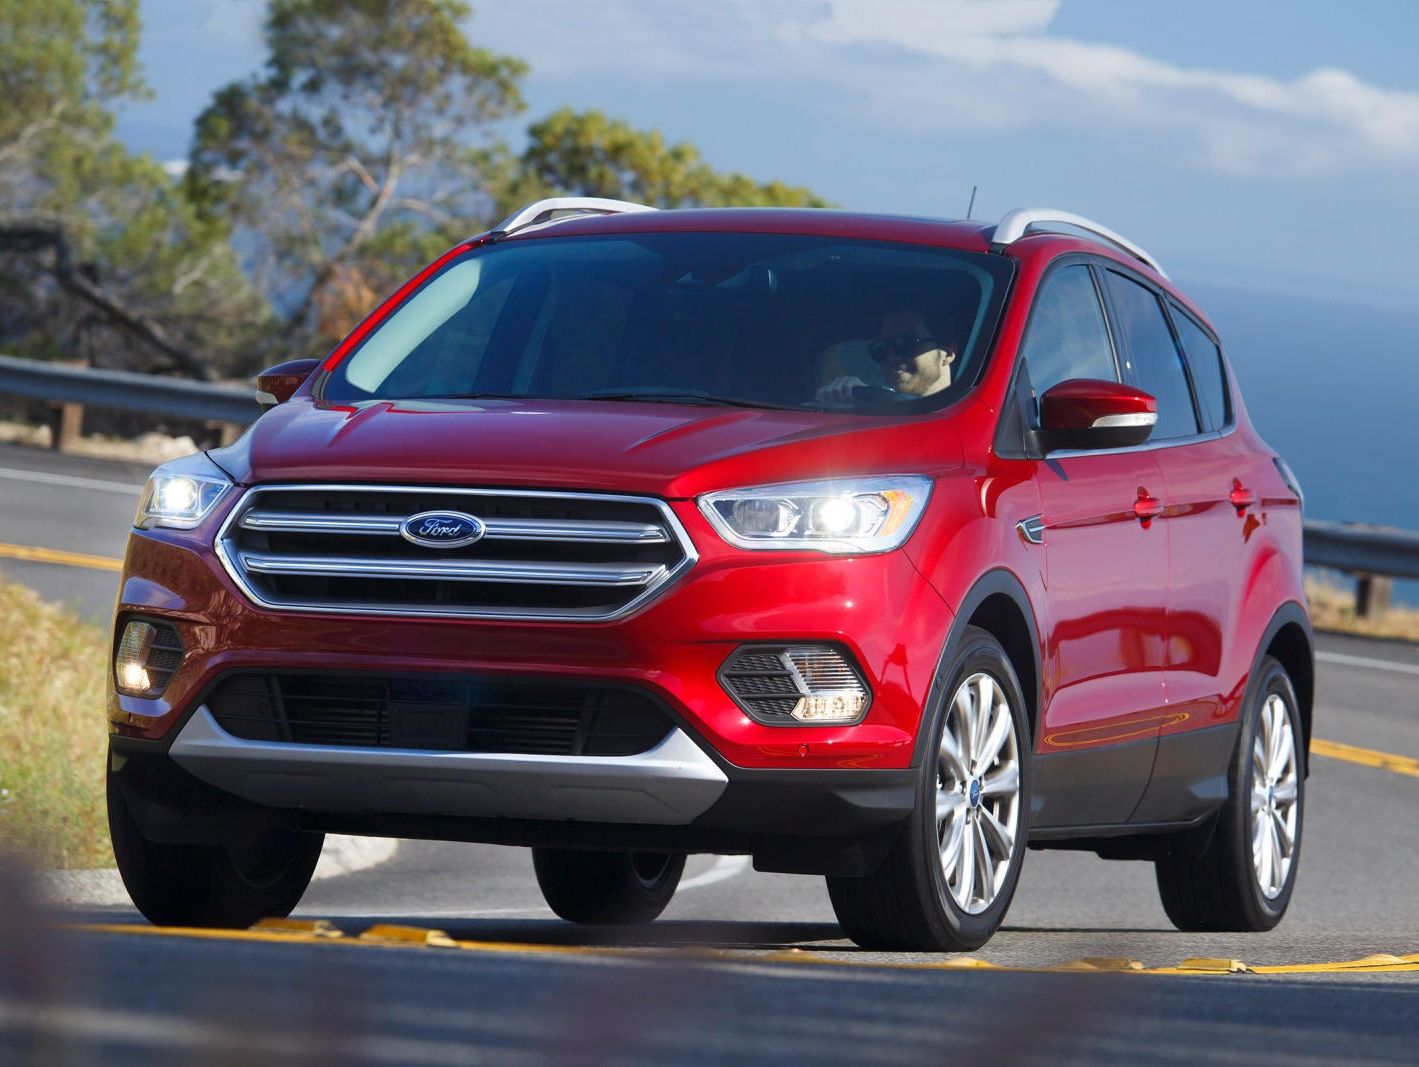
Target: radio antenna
[972, 205]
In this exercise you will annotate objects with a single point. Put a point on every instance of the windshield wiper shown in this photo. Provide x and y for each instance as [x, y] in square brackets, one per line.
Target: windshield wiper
[471, 396]
[680, 396]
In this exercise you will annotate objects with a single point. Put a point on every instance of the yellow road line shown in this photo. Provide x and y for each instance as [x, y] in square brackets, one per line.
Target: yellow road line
[1367, 757]
[440, 941]
[33, 554]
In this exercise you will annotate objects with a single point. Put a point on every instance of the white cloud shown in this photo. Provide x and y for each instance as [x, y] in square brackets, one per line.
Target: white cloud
[917, 22]
[1326, 119]
[939, 65]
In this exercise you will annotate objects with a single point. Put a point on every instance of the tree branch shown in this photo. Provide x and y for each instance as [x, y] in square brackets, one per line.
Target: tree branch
[36, 237]
[361, 233]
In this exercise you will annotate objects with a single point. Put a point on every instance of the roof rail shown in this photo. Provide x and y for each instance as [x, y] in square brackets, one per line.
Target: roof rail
[560, 207]
[1015, 224]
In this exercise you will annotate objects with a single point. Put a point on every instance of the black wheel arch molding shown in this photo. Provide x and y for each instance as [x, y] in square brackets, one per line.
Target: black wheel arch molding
[1289, 638]
[997, 582]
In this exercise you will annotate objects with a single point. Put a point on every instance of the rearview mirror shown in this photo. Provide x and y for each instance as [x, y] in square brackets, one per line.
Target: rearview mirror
[275, 385]
[1092, 413]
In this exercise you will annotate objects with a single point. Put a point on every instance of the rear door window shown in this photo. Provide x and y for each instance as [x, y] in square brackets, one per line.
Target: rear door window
[1152, 355]
[1204, 359]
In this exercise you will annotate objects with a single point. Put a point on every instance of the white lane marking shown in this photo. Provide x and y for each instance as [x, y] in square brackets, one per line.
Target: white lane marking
[70, 480]
[725, 867]
[1367, 661]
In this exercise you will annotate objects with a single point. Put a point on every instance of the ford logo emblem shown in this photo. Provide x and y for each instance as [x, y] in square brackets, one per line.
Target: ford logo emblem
[441, 529]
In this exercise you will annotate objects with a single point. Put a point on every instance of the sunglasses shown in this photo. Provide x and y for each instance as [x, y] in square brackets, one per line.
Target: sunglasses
[903, 346]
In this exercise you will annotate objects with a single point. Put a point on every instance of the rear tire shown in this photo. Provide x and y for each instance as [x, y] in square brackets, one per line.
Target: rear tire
[229, 885]
[1244, 879]
[973, 791]
[607, 888]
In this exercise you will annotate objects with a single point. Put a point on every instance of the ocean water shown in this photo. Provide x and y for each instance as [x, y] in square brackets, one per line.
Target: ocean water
[1333, 386]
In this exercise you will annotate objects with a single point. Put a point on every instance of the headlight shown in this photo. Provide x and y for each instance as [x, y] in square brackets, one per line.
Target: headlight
[851, 515]
[181, 494]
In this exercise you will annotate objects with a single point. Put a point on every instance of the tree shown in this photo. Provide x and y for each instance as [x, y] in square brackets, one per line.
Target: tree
[99, 248]
[361, 150]
[587, 154]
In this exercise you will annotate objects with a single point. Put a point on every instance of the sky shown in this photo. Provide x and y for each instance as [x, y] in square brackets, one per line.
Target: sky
[1259, 143]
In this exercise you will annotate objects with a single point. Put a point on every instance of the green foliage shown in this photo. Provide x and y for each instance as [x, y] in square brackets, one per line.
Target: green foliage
[587, 154]
[363, 137]
[61, 58]
[100, 251]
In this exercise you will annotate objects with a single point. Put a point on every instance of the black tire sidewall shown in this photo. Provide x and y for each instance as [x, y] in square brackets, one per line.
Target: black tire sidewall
[978, 651]
[201, 884]
[603, 887]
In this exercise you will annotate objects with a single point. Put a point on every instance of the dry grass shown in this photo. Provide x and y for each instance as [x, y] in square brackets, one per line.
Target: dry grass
[1333, 608]
[151, 448]
[53, 732]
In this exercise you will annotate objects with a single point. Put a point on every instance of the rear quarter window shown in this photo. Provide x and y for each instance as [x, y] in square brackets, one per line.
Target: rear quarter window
[1209, 376]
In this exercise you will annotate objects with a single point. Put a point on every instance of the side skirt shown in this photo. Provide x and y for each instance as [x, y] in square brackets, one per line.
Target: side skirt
[1187, 788]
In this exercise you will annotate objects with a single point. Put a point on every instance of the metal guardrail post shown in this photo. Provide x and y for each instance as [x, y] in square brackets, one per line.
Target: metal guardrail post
[1375, 555]
[1372, 594]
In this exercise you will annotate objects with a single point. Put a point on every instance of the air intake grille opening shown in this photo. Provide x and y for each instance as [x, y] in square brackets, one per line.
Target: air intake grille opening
[540, 555]
[449, 713]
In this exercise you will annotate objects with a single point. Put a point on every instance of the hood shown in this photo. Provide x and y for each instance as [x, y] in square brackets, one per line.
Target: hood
[669, 450]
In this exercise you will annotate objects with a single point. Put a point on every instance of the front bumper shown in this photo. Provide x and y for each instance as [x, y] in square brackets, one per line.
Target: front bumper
[671, 784]
[813, 799]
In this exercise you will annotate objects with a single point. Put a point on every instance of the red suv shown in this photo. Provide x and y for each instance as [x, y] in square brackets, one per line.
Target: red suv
[876, 548]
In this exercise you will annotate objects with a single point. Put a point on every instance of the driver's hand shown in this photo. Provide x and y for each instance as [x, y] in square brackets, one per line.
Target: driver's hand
[839, 390]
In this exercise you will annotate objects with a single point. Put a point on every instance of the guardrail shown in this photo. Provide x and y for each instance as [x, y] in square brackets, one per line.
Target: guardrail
[1373, 554]
[70, 389]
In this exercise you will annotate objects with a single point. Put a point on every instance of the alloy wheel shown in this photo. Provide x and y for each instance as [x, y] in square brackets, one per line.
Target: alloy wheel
[977, 793]
[1274, 797]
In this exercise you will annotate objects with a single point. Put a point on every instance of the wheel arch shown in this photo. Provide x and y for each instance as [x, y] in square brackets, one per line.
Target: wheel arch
[998, 604]
[1288, 640]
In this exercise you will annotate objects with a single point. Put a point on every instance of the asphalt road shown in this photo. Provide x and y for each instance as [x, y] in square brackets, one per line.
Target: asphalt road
[743, 966]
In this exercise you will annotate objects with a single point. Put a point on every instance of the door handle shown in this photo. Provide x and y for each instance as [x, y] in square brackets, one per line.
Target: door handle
[1147, 506]
[1240, 496]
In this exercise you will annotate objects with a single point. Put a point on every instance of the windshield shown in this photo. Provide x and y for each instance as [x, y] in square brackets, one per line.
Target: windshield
[760, 320]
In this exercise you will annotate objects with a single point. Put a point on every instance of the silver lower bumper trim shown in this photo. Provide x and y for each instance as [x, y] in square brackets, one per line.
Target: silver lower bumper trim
[670, 785]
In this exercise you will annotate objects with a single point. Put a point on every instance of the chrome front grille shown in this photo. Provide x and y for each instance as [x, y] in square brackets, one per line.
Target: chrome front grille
[543, 555]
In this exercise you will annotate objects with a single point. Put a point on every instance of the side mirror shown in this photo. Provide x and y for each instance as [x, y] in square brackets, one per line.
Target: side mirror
[1090, 413]
[275, 385]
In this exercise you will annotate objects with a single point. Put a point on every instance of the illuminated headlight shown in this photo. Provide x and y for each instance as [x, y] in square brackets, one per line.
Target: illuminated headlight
[148, 654]
[796, 685]
[182, 493]
[852, 515]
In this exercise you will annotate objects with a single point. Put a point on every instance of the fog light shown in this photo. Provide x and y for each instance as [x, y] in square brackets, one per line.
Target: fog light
[792, 685]
[148, 654]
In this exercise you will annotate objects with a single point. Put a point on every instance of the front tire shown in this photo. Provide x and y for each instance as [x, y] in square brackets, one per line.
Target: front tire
[233, 884]
[948, 879]
[607, 888]
[1244, 880]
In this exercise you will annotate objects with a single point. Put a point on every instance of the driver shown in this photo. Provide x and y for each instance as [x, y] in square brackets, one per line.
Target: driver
[915, 360]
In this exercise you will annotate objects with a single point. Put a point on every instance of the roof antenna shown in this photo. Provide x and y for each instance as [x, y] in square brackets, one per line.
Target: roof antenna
[972, 205]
